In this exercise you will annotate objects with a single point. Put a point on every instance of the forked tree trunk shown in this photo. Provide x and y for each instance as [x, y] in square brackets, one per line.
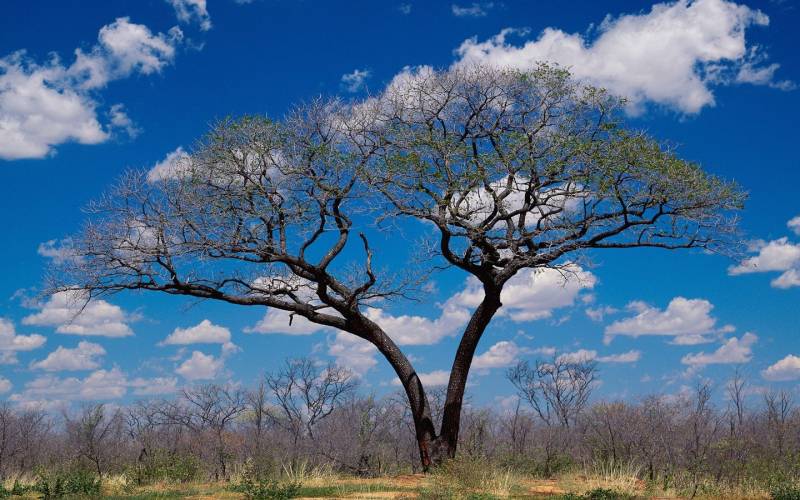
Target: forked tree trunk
[418, 401]
[435, 449]
[454, 402]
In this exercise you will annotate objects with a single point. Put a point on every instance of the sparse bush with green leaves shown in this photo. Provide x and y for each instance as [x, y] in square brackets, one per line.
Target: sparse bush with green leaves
[785, 491]
[257, 486]
[599, 494]
[60, 484]
[165, 466]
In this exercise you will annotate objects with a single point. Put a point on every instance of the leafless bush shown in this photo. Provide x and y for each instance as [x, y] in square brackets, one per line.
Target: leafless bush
[313, 415]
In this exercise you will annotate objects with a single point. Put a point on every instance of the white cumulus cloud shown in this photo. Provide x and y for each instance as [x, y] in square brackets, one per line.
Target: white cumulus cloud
[200, 366]
[353, 353]
[100, 385]
[672, 55]
[435, 378]
[204, 332]
[86, 356]
[173, 166]
[779, 255]
[784, 370]
[59, 251]
[284, 322]
[733, 350]
[11, 343]
[46, 104]
[501, 354]
[408, 329]
[534, 294]
[68, 312]
[583, 355]
[689, 321]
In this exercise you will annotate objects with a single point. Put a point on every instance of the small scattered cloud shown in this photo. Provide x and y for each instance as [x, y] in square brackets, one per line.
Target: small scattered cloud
[785, 370]
[59, 252]
[732, 350]
[204, 332]
[794, 224]
[779, 255]
[473, 10]
[200, 366]
[192, 11]
[173, 166]
[502, 354]
[688, 321]
[355, 81]
[547, 351]
[354, 353]
[435, 378]
[407, 329]
[286, 323]
[5, 385]
[599, 313]
[71, 313]
[11, 343]
[86, 356]
[584, 355]
[405, 8]
[118, 119]
[50, 391]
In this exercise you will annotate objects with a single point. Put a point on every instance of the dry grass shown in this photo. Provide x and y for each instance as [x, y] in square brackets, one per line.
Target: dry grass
[308, 475]
[463, 478]
[620, 477]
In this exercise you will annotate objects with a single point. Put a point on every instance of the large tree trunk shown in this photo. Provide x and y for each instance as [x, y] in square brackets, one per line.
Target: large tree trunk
[451, 418]
[435, 449]
[418, 401]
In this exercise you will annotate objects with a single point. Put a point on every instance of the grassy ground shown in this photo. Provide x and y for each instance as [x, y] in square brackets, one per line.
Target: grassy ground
[436, 486]
[460, 480]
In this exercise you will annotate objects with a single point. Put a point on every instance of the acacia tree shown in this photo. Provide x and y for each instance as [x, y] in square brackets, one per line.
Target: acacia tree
[514, 170]
[528, 170]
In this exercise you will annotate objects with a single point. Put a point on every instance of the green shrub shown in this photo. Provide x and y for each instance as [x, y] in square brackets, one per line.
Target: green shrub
[267, 489]
[164, 466]
[598, 494]
[544, 468]
[62, 483]
[785, 491]
[19, 489]
[16, 490]
[256, 485]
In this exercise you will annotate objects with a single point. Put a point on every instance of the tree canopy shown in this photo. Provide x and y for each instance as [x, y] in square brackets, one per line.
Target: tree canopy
[507, 170]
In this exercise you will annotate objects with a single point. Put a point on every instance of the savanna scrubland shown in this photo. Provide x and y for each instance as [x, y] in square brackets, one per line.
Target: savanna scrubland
[506, 172]
[308, 431]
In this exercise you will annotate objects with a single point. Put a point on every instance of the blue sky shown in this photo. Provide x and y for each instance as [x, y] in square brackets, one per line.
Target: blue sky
[715, 78]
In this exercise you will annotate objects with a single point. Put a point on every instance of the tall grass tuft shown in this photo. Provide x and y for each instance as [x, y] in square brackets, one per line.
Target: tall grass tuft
[307, 474]
[469, 477]
[620, 477]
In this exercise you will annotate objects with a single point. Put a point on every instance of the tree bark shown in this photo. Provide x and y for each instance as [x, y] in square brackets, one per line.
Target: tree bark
[418, 401]
[434, 449]
[447, 442]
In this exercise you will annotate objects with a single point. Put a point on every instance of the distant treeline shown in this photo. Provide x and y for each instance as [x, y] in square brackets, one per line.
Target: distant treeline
[311, 414]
